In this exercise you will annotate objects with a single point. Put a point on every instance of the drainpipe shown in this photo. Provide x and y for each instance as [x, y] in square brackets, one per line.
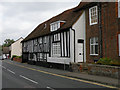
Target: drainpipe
[74, 42]
[100, 29]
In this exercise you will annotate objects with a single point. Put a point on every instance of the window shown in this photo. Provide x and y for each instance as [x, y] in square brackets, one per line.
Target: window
[56, 45]
[94, 46]
[56, 37]
[40, 40]
[119, 43]
[93, 15]
[56, 49]
[55, 25]
[118, 8]
[45, 40]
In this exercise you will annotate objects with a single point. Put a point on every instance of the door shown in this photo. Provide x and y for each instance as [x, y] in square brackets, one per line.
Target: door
[80, 52]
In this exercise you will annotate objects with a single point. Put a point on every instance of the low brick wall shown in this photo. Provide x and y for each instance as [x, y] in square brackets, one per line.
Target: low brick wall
[17, 59]
[104, 70]
[94, 69]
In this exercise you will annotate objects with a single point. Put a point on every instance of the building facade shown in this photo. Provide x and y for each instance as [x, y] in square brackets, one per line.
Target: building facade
[102, 30]
[85, 33]
[16, 47]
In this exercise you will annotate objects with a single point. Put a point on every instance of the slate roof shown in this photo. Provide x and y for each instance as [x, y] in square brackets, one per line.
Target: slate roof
[70, 16]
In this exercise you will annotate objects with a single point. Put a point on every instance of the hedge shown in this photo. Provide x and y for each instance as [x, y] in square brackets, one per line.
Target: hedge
[108, 61]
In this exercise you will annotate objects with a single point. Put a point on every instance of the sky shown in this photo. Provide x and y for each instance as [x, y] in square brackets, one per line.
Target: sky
[18, 18]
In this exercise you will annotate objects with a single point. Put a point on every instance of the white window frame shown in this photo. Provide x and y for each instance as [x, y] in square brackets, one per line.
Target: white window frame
[56, 37]
[55, 25]
[118, 8]
[90, 20]
[94, 44]
[40, 40]
[119, 43]
[56, 50]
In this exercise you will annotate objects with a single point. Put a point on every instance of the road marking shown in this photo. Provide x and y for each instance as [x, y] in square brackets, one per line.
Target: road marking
[50, 88]
[11, 71]
[90, 82]
[3, 67]
[28, 79]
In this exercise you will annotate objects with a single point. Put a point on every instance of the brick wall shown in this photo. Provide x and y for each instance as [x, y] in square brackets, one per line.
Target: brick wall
[110, 32]
[94, 69]
[91, 31]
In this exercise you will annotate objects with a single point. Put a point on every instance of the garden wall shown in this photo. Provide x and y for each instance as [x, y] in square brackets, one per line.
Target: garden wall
[17, 59]
[94, 69]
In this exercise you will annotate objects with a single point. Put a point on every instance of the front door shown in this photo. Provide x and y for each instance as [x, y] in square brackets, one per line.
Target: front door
[80, 52]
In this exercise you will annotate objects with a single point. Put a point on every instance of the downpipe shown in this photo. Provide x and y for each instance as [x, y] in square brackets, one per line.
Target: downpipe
[74, 42]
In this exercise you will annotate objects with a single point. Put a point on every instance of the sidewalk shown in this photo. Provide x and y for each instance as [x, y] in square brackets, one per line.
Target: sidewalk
[94, 78]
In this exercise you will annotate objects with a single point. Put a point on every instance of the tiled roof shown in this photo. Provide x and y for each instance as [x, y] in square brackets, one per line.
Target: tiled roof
[82, 5]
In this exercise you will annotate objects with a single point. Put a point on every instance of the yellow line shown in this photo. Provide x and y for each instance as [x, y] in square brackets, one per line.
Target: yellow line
[63, 76]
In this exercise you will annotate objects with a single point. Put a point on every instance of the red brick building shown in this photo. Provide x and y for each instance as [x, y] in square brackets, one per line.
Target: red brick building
[102, 30]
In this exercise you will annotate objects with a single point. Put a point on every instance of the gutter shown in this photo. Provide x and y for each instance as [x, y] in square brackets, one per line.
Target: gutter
[100, 29]
[74, 42]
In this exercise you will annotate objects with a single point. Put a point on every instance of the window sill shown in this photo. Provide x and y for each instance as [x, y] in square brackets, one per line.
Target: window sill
[93, 54]
[93, 23]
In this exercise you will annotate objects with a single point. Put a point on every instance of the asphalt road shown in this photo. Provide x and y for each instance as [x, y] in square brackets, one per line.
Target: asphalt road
[18, 75]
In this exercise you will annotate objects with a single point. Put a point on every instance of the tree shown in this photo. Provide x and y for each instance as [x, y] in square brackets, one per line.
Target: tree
[8, 42]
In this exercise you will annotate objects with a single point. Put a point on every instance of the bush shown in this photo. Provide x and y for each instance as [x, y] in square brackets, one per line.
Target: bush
[13, 57]
[18, 57]
[108, 61]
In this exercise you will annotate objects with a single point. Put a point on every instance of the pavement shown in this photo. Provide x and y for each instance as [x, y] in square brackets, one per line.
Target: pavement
[94, 78]
[82, 76]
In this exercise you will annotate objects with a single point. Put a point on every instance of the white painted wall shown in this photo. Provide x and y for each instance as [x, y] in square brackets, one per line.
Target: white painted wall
[71, 45]
[79, 28]
[16, 48]
[60, 60]
[64, 60]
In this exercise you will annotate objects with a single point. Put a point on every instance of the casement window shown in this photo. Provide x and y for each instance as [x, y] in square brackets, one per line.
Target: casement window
[45, 44]
[40, 40]
[55, 25]
[45, 40]
[56, 45]
[56, 37]
[94, 46]
[35, 45]
[118, 8]
[93, 15]
[31, 56]
[41, 56]
[40, 46]
[56, 49]
[119, 43]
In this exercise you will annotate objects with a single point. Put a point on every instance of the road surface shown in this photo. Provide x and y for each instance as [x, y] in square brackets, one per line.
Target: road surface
[19, 75]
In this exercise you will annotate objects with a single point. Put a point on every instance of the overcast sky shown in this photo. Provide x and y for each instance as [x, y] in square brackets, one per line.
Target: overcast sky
[18, 19]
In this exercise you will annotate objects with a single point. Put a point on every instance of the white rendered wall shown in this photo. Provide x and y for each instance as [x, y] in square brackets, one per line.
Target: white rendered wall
[79, 28]
[16, 48]
[64, 60]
